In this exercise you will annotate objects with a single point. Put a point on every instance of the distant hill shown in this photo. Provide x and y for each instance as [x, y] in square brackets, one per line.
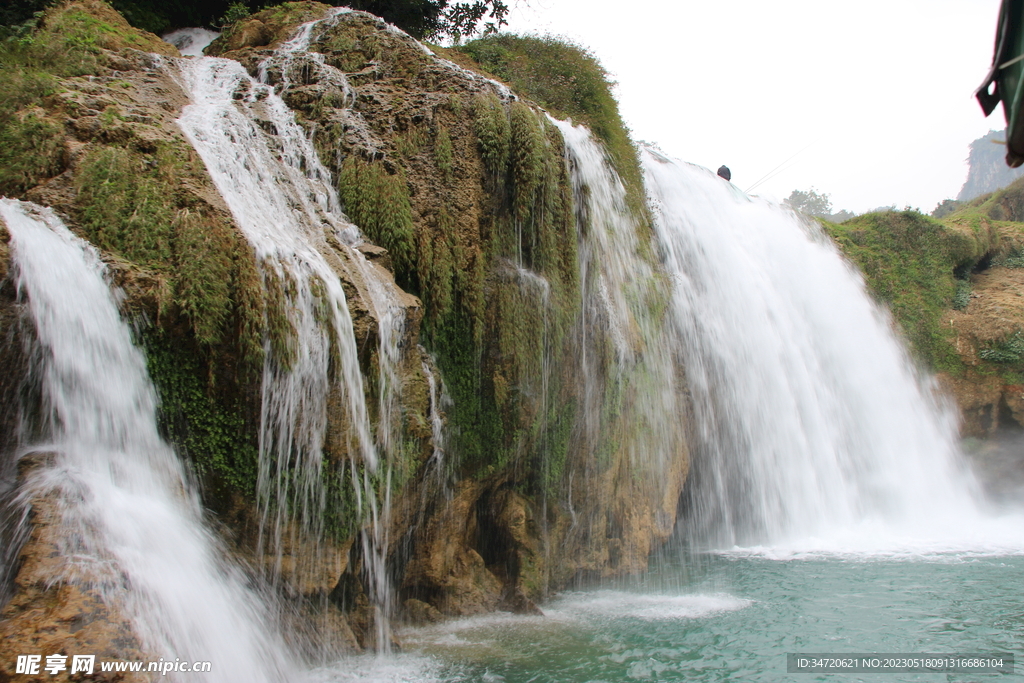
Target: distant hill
[988, 170]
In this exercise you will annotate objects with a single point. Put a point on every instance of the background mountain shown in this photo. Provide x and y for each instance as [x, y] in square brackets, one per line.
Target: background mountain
[988, 170]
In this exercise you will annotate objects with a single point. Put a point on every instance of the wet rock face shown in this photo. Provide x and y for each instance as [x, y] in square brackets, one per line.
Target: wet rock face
[51, 613]
[418, 118]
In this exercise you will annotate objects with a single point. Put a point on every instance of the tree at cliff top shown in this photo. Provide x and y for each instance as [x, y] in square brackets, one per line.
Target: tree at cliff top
[420, 18]
[814, 204]
[810, 202]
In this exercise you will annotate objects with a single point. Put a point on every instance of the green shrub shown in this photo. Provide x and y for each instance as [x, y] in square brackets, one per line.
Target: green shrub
[1014, 260]
[236, 11]
[1010, 350]
[378, 203]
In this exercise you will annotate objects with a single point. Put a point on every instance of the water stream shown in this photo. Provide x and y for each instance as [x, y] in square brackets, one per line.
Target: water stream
[131, 521]
[814, 429]
[283, 198]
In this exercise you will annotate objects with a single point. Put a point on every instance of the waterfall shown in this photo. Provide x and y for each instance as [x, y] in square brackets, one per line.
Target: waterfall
[811, 420]
[131, 521]
[439, 401]
[283, 199]
[190, 41]
[633, 411]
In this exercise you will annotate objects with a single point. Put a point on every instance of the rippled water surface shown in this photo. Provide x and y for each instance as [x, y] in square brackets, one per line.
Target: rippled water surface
[730, 617]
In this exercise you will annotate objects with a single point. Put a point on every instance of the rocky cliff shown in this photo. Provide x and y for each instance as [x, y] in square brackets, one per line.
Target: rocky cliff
[466, 199]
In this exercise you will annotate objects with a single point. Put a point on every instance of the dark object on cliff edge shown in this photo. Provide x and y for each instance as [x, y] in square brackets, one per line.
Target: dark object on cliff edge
[724, 172]
[1005, 80]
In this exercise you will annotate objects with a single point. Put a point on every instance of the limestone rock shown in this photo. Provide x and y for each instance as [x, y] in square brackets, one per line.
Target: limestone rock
[51, 614]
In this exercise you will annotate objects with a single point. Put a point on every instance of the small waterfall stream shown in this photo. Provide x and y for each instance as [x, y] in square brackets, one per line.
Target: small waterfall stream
[131, 520]
[628, 349]
[283, 199]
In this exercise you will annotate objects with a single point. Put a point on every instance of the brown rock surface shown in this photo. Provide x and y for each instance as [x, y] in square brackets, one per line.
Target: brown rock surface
[986, 398]
[51, 613]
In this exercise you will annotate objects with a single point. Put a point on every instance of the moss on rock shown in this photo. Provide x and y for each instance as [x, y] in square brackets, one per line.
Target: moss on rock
[568, 81]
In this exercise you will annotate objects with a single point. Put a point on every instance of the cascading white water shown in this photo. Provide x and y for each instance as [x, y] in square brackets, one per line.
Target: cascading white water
[621, 295]
[439, 402]
[812, 422]
[132, 523]
[282, 198]
[191, 41]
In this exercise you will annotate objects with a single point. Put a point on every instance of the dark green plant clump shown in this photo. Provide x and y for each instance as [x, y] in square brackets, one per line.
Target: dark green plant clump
[962, 297]
[1014, 260]
[211, 429]
[945, 208]
[568, 81]
[1010, 350]
[378, 202]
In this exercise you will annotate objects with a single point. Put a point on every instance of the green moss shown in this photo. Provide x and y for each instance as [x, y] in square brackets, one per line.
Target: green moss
[443, 155]
[527, 158]
[124, 205]
[342, 513]
[568, 81]
[207, 424]
[279, 289]
[204, 276]
[129, 204]
[378, 202]
[909, 261]
[86, 31]
[409, 143]
[32, 149]
[530, 301]
[493, 133]
[435, 266]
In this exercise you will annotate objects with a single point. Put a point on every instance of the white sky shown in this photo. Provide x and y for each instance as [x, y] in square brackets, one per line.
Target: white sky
[879, 92]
